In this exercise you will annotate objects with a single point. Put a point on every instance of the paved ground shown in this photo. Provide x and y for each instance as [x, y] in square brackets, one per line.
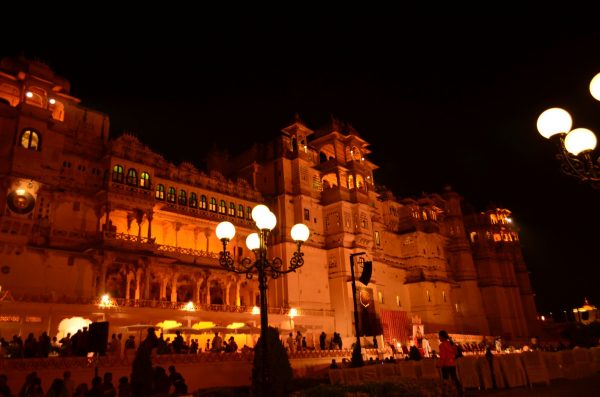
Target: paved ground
[589, 386]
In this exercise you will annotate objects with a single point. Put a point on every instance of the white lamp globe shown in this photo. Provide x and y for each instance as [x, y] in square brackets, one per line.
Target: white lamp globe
[300, 232]
[225, 230]
[595, 87]
[554, 121]
[252, 241]
[259, 211]
[266, 221]
[579, 140]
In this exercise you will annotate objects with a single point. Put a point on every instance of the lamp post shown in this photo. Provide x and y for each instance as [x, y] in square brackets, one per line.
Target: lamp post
[261, 266]
[357, 359]
[575, 146]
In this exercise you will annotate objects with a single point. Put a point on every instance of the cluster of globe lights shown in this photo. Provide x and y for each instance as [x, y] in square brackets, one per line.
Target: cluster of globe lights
[558, 122]
[265, 220]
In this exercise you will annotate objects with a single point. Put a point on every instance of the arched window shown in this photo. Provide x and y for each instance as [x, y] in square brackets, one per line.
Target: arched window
[182, 197]
[213, 205]
[203, 202]
[171, 195]
[36, 96]
[240, 213]
[193, 200]
[145, 180]
[222, 207]
[30, 139]
[160, 192]
[359, 182]
[132, 177]
[249, 213]
[232, 209]
[117, 174]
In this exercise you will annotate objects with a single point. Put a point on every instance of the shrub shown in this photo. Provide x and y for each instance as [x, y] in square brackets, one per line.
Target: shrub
[278, 366]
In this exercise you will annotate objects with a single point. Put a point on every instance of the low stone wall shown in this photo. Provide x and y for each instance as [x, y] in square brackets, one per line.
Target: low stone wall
[200, 371]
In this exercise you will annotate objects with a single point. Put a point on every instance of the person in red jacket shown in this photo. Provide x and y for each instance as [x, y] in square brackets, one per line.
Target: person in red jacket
[447, 360]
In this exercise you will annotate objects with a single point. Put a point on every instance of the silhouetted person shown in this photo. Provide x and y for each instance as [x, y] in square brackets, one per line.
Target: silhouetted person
[108, 389]
[4, 389]
[322, 338]
[124, 387]
[176, 380]
[414, 353]
[490, 359]
[69, 384]
[57, 388]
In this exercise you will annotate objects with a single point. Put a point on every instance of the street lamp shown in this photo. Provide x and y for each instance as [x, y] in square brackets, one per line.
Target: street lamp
[261, 266]
[576, 145]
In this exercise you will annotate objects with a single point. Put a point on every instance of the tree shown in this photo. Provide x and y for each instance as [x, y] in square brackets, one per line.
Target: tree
[278, 367]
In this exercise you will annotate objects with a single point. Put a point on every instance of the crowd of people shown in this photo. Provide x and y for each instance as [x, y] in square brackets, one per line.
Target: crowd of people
[163, 384]
[79, 344]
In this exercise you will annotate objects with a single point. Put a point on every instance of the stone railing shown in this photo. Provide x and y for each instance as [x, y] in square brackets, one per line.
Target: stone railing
[150, 244]
[159, 304]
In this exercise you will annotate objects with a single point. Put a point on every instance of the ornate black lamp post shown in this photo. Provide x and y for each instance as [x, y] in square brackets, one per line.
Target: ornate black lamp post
[261, 266]
[575, 146]
[357, 359]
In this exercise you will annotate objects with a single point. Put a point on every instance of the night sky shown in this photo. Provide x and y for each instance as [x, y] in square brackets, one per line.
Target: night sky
[441, 101]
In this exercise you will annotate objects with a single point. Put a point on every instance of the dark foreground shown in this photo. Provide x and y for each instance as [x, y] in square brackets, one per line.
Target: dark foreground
[589, 386]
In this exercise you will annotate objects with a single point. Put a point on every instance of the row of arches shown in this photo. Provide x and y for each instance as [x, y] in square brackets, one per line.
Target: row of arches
[181, 198]
[352, 153]
[131, 179]
[351, 181]
[35, 96]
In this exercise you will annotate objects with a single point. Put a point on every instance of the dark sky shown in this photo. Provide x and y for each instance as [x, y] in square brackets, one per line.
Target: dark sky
[441, 100]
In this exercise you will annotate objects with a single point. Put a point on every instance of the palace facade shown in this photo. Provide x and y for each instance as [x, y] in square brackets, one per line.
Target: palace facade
[83, 215]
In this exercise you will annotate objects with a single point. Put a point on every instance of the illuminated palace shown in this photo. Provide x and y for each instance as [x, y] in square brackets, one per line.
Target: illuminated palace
[83, 215]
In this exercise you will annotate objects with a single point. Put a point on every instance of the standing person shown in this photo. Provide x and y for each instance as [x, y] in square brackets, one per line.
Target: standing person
[322, 338]
[426, 347]
[498, 345]
[290, 343]
[447, 360]
[69, 384]
[304, 344]
[107, 387]
[4, 389]
[124, 387]
[298, 341]
[217, 343]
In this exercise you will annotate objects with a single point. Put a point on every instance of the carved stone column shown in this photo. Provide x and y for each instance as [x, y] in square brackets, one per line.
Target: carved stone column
[208, 279]
[174, 287]
[198, 284]
[138, 279]
[130, 218]
[207, 235]
[149, 216]
[238, 284]
[130, 278]
[163, 286]
[107, 222]
[147, 283]
[227, 292]
[139, 218]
